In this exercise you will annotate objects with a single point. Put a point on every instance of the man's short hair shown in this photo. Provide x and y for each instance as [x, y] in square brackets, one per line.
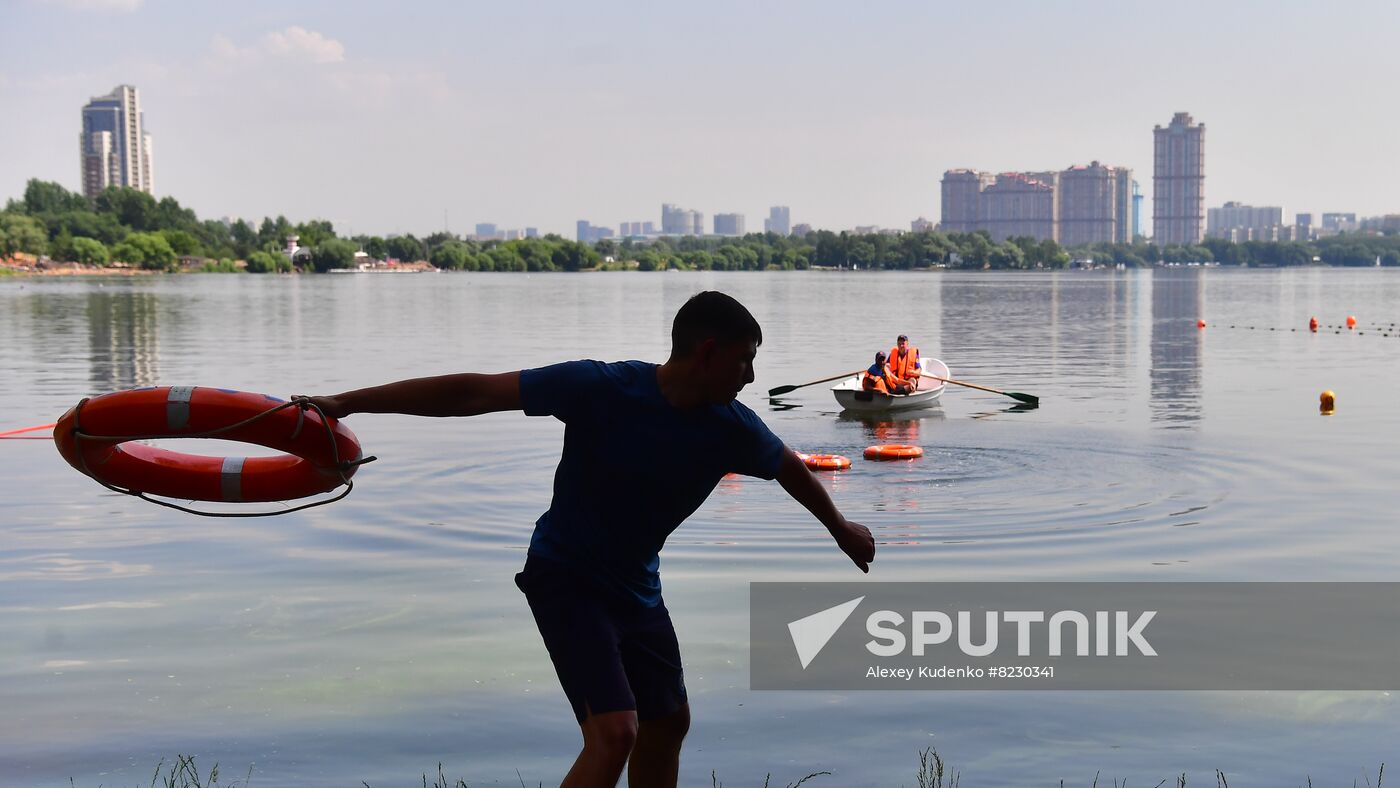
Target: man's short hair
[879, 354]
[902, 338]
[712, 315]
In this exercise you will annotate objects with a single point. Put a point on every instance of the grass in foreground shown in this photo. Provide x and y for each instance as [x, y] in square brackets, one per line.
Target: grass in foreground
[933, 773]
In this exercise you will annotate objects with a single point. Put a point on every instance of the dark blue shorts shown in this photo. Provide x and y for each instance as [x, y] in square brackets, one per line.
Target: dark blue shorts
[610, 655]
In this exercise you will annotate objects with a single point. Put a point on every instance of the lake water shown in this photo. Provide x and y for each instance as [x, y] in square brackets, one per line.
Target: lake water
[370, 639]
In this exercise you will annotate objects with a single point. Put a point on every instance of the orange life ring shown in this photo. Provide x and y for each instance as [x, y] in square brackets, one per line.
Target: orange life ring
[307, 468]
[825, 462]
[893, 451]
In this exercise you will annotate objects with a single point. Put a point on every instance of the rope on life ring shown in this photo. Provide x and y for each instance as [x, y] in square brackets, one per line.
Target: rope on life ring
[94, 443]
[893, 451]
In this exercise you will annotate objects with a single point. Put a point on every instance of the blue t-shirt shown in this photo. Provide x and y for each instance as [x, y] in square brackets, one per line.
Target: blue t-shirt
[633, 467]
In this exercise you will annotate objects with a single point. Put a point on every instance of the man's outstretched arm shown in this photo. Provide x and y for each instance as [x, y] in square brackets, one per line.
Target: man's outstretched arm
[463, 394]
[853, 538]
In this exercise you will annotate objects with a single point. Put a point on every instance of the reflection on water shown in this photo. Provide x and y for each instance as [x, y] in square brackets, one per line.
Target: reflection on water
[1178, 297]
[125, 342]
[371, 639]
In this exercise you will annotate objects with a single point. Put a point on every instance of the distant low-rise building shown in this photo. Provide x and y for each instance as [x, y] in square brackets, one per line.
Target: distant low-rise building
[801, 230]
[589, 233]
[1234, 220]
[779, 220]
[922, 225]
[681, 221]
[731, 224]
[1334, 223]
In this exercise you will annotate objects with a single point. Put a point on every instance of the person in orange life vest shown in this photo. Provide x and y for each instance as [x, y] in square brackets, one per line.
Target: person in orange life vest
[879, 378]
[904, 362]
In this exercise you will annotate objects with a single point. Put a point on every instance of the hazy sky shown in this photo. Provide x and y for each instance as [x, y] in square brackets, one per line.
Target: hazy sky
[384, 117]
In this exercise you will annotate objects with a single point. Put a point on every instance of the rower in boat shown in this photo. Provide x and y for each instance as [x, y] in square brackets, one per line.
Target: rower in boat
[879, 377]
[904, 362]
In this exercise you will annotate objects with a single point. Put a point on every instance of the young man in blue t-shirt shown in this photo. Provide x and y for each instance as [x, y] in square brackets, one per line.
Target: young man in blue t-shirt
[644, 445]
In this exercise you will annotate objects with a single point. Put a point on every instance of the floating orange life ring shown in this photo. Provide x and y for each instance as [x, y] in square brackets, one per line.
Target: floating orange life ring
[893, 451]
[825, 462]
[96, 438]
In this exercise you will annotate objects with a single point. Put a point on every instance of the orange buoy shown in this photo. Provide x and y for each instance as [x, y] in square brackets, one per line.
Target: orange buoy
[825, 462]
[893, 451]
[1312, 325]
[1351, 321]
[1200, 324]
[1327, 403]
[98, 436]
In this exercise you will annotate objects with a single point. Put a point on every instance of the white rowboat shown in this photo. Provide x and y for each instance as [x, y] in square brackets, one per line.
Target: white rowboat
[851, 396]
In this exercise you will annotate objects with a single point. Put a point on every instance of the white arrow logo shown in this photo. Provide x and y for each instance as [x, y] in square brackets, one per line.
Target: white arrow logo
[811, 634]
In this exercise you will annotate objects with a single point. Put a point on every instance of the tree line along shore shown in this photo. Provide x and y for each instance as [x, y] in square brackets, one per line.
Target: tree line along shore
[129, 229]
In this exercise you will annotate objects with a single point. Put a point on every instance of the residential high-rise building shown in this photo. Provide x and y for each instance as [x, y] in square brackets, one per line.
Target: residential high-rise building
[1137, 212]
[1089, 208]
[1179, 181]
[680, 221]
[779, 220]
[1237, 222]
[1080, 205]
[487, 231]
[532, 232]
[115, 148]
[1096, 205]
[1016, 205]
[962, 191]
[1124, 205]
[729, 224]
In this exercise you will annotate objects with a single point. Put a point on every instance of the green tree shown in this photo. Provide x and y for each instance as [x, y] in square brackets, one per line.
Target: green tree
[376, 248]
[133, 208]
[451, 255]
[181, 242]
[89, 251]
[405, 248]
[47, 197]
[243, 238]
[20, 233]
[169, 215]
[333, 253]
[260, 262]
[86, 224]
[148, 250]
[315, 232]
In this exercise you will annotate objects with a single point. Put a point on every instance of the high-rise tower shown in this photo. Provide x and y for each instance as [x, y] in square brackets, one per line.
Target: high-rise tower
[1179, 182]
[115, 147]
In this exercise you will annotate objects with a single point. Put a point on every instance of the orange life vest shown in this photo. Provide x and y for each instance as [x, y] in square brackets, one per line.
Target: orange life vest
[907, 367]
[883, 383]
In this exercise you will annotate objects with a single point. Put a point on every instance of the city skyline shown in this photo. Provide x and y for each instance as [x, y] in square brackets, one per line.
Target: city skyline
[323, 111]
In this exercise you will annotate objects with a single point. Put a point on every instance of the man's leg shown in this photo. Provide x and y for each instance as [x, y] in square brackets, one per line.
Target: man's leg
[656, 758]
[608, 740]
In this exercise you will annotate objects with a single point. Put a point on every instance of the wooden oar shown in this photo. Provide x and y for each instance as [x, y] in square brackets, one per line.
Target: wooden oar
[785, 389]
[1029, 399]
